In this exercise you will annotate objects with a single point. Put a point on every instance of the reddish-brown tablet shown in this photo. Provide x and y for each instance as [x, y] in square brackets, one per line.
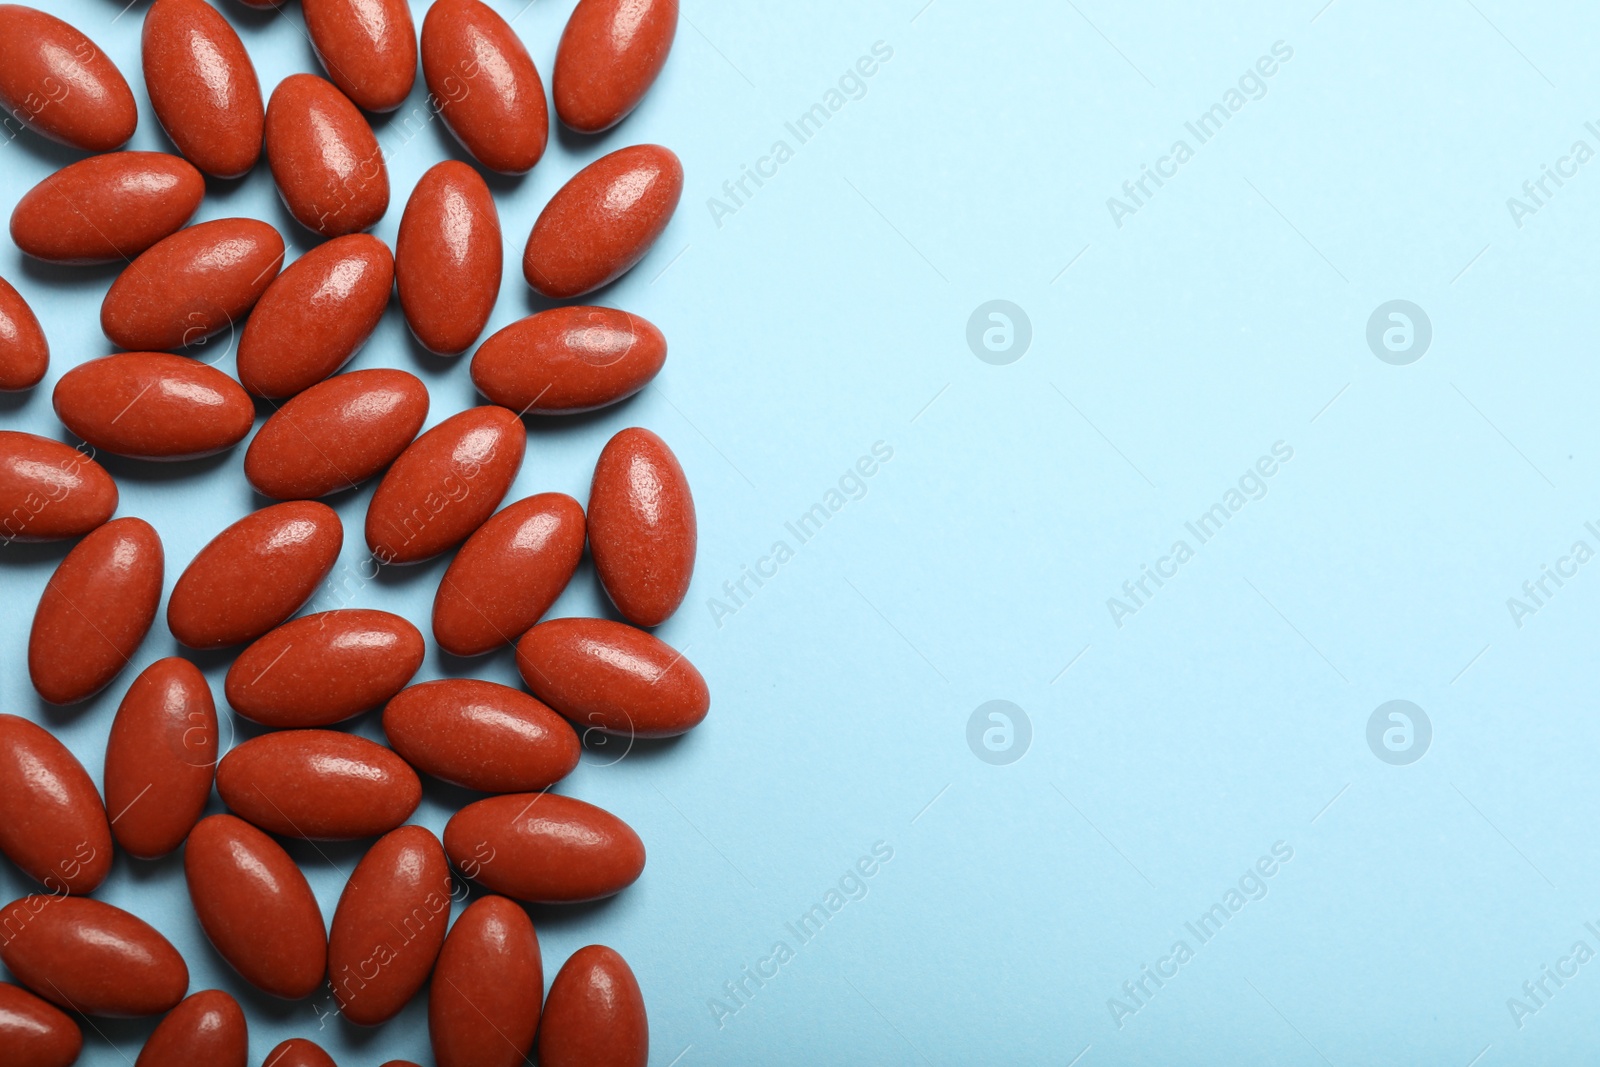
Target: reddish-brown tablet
[595, 1014]
[448, 257]
[544, 848]
[322, 785]
[203, 86]
[610, 55]
[52, 824]
[609, 676]
[480, 735]
[36, 1032]
[24, 352]
[152, 405]
[368, 48]
[207, 1028]
[297, 1051]
[58, 83]
[642, 531]
[485, 85]
[50, 490]
[321, 669]
[568, 360]
[483, 1004]
[324, 157]
[91, 957]
[107, 209]
[161, 757]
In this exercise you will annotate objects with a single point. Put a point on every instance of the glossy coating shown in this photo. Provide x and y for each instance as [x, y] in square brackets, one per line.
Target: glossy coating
[203, 86]
[52, 824]
[254, 574]
[642, 531]
[609, 676]
[610, 54]
[318, 784]
[483, 1003]
[35, 1033]
[603, 221]
[445, 485]
[152, 405]
[91, 957]
[508, 573]
[316, 315]
[480, 735]
[544, 848]
[95, 610]
[297, 1051]
[184, 288]
[106, 209]
[368, 48]
[447, 257]
[389, 925]
[24, 352]
[595, 1015]
[336, 434]
[50, 490]
[324, 157]
[321, 669]
[55, 80]
[161, 757]
[207, 1029]
[568, 360]
[255, 907]
[485, 85]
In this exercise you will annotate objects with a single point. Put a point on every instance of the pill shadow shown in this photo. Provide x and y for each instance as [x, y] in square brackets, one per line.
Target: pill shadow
[11, 403]
[36, 144]
[77, 279]
[157, 472]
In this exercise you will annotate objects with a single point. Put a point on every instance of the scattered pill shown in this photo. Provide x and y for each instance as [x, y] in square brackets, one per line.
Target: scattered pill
[203, 86]
[52, 824]
[297, 1051]
[322, 785]
[368, 48]
[610, 55]
[594, 1014]
[24, 352]
[152, 405]
[50, 490]
[448, 257]
[55, 81]
[485, 85]
[642, 530]
[544, 848]
[480, 735]
[609, 676]
[161, 757]
[34, 1032]
[483, 1003]
[207, 1029]
[91, 957]
[324, 157]
[106, 209]
[568, 360]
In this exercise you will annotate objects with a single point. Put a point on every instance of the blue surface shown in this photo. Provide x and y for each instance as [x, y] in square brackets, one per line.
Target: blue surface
[826, 311]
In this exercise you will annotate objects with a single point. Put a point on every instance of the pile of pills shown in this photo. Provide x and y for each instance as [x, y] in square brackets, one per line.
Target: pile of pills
[302, 677]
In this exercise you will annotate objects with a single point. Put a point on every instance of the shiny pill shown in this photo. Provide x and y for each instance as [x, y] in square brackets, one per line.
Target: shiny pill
[24, 352]
[203, 86]
[544, 848]
[57, 82]
[161, 757]
[50, 490]
[108, 208]
[448, 257]
[609, 56]
[34, 1032]
[368, 48]
[324, 157]
[208, 1030]
[297, 1051]
[568, 360]
[52, 824]
[152, 405]
[485, 85]
[642, 531]
[91, 957]
[609, 676]
[483, 1003]
[595, 1014]
[480, 735]
[318, 784]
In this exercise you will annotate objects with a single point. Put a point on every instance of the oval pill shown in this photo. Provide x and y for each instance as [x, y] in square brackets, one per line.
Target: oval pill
[483, 1003]
[544, 848]
[24, 352]
[297, 1051]
[480, 735]
[50, 490]
[609, 676]
[56, 81]
[642, 531]
[108, 208]
[568, 360]
[203, 86]
[609, 56]
[35, 1032]
[161, 757]
[207, 1028]
[324, 157]
[91, 957]
[52, 824]
[485, 85]
[448, 258]
[322, 785]
[368, 48]
[324, 668]
[153, 405]
[595, 1014]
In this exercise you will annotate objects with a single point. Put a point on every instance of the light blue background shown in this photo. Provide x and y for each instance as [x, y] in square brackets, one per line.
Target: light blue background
[828, 313]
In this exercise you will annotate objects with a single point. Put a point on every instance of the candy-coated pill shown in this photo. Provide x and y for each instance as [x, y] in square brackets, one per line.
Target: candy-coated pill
[485, 85]
[483, 1003]
[106, 209]
[445, 485]
[161, 757]
[297, 1051]
[318, 784]
[255, 574]
[49, 490]
[389, 925]
[324, 157]
[544, 848]
[52, 824]
[95, 610]
[568, 359]
[610, 54]
[206, 1029]
[35, 1033]
[603, 221]
[203, 86]
[368, 48]
[447, 257]
[91, 957]
[609, 676]
[152, 405]
[55, 80]
[256, 907]
[508, 573]
[184, 288]
[316, 315]
[24, 352]
[480, 735]
[642, 530]
[336, 434]
[321, 669]
[595, 1014]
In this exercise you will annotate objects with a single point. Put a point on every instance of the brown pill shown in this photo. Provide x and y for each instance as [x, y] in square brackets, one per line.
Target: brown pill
[447, 257]
[206, 1030]
[52, 824]
[161, 757]
[508, 573]
[321, 669]
[322, 785]
[49, 490]
[595, 1014]
[544, 848]
[24, 352]
[336, 434]
[485, 85]
[91, 957]
[324, 157]
[106, 209]
[254, 574]
[297, 1051]
[445, 485]
[203, 86]
[256, 907]
[368, 48]
[568, 360]
[55, 81]
[642, 530]
[200, 281]
[609, 676]
[603, 221]
[480, 735]
[389, 925]
[610, 54]
[35, 1033]
[95, 611]
[483, 1004]
[316, 315]
[152, 405]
